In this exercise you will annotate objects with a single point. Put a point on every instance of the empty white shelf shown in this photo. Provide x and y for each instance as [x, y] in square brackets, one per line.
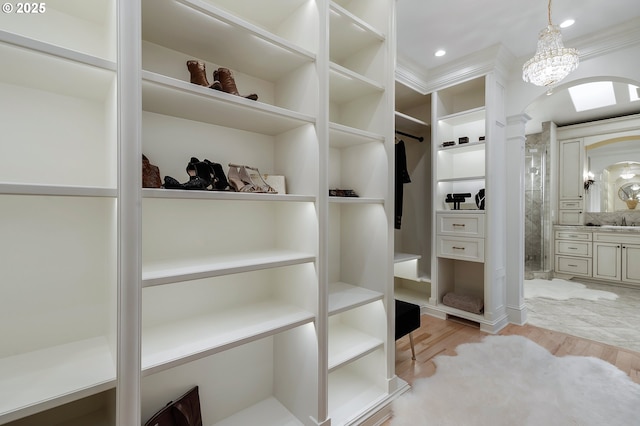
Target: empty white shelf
[168, 345]
[403, 257]
[56, 190]
[343, 296]
[49, 377]
[346, 344]
[350, 393]
[268, 412]
[193, 269]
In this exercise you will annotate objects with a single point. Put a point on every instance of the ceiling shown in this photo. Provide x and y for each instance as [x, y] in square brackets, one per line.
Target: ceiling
[463, 27]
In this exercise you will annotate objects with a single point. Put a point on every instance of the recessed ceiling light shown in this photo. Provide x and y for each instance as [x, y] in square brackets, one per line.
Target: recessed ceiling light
[592, 95]
[440, 52]
[567, 23]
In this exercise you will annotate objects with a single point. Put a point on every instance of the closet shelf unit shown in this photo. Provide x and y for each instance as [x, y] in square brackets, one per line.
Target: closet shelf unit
[360, 159]
[468, 258]
[58, 195]
[276, 305]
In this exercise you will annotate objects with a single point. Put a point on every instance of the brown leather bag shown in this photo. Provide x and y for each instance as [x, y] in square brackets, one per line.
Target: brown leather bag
[185, 411]
[150, 174]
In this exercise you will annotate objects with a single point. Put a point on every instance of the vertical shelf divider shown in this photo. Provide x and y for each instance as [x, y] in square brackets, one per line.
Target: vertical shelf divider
[128, 362]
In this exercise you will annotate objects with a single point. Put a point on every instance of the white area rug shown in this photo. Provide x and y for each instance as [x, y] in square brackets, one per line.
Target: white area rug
[510, 380]
[559, 289]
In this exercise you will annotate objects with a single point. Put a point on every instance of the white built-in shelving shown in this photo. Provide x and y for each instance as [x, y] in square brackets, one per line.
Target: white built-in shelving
[275, 305]
[468, 258]
[58, 195]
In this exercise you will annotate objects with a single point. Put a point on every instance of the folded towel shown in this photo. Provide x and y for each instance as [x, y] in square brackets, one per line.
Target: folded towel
[466, 303]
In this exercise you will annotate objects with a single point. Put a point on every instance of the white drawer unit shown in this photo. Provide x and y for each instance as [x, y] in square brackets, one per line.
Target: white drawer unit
[574, 235]
[573, 251]
[573, 265]
[573, 248]
[462, 248]
[468, 225]
[600, 253]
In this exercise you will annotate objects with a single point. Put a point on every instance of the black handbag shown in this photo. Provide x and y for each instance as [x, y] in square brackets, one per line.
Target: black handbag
[185, 411]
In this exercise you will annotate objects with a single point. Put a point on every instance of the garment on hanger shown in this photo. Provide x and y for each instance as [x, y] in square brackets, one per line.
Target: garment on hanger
[401, 177]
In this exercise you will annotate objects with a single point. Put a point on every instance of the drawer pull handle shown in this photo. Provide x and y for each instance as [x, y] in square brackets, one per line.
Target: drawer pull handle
[458, 225]
[572, 248]
[573, 266]
[457, 248]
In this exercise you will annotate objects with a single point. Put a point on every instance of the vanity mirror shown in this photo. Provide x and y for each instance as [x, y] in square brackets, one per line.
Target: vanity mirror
[614, 167]
[630, 194]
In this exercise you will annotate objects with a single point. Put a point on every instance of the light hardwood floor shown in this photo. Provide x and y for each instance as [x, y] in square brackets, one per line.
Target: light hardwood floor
[437, 337]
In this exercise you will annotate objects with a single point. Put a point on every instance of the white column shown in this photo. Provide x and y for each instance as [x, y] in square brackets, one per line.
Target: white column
[515, 155]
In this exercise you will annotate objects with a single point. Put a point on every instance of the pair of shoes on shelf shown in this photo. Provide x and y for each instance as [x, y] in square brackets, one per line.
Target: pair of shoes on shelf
[198, 73]
[241, 180]
[212, 173]
[222, 79]
[342, 193]
[203, 175]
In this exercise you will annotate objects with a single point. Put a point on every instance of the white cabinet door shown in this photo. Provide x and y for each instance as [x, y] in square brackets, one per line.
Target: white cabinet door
[571, 169]
[607, 262]
[631, 263]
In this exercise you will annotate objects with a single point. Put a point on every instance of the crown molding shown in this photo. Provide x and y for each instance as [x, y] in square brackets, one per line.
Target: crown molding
[480, 63]
[409, 73]
[607, 41]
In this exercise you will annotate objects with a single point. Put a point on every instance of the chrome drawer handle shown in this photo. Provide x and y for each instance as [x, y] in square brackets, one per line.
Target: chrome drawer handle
[572, 248]
[458, 224]
[457, 248]
[573, 266]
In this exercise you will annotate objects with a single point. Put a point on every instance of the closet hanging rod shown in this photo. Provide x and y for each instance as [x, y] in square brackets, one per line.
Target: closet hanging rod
[419, 138]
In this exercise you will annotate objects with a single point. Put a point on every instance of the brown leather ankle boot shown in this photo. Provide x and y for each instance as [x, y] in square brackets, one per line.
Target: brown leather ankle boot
[229, 84]
[199, 75]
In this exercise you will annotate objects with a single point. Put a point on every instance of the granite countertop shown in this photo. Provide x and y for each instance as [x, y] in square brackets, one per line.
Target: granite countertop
[603, 228]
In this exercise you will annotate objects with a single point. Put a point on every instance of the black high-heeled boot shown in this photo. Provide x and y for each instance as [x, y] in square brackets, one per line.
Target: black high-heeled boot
[203, 170]
[220, 182]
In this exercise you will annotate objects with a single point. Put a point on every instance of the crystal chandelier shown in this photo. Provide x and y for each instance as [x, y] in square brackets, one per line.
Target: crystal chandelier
[552, 61]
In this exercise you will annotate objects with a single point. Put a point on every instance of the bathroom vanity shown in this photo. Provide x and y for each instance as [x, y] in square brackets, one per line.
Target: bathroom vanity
[597, 230]
[610, 253]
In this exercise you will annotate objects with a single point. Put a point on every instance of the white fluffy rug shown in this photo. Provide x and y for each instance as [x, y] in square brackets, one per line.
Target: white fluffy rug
[510, 380]
[559, 289]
